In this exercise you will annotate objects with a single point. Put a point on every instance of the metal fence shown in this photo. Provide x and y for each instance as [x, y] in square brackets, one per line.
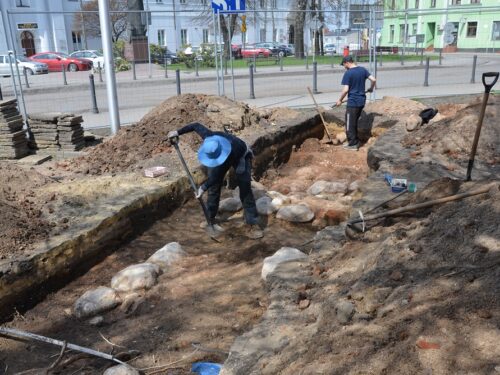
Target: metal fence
[394, 45]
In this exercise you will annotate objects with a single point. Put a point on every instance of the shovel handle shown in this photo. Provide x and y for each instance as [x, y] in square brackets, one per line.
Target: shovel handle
[489, 86]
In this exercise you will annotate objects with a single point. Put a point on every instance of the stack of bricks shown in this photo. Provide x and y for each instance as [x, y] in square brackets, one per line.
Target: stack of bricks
[13, 141]
[57, 131]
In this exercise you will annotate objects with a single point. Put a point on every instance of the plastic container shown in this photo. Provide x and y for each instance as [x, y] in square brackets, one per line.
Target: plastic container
[206, 368]
[398, 185]
[155, 171]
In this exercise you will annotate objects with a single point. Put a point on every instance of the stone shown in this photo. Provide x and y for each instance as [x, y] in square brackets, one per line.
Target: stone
[413, 122]
[167, 255]
[121, 370]
[354, 186]
[327, 187]
[45, 117]
[96, 321]
[136, 277]
[344, 311]
[341, 137]
[396, 275]
[96, 301]
[230, 205]
[265, 206]
[298, 213]
[285, 254]
[304, 304]
[334, 234]
[278, 199]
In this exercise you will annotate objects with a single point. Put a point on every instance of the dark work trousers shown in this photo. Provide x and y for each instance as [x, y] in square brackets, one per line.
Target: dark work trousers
[246, 196]
[352, 115]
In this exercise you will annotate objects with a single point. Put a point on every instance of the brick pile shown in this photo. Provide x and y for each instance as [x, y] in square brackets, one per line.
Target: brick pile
[13, 140]
[57, 131]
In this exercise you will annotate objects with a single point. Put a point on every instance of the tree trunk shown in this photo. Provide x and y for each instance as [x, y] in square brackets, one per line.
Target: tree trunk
[300, 18]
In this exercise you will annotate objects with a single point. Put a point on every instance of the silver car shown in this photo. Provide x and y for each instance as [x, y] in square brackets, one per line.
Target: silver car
[32, 67]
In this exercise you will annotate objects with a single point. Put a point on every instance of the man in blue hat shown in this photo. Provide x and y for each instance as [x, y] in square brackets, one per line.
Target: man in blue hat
[219, 152]
[354, 86]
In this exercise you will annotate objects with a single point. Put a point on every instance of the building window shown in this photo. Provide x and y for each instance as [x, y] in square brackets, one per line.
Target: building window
[184, 37]
[159, 1]
[391, 34]
[401, 33]
[433, 3]
[471, 29]
[204, 2]
[393, 4]
[262, 4]
[496, 31]
[205, 35]
[475, 1]
[406, 4]
[414, 29]
[273, 4]
[22, 3]
[417, 4]
[161, 37]
[183, 1]
[456, 2]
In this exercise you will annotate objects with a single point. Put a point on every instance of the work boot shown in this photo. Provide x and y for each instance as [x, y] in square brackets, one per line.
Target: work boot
[217, 227]
[254, 232]
[353, 147]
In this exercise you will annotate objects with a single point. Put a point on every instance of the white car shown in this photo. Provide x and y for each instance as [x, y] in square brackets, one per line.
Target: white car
[95, 56]
[32, 67]
[330, 49]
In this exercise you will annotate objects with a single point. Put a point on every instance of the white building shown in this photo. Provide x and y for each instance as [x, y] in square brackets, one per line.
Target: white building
[33, 30]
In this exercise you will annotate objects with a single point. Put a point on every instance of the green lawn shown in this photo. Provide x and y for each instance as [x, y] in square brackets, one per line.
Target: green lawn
[293, 61]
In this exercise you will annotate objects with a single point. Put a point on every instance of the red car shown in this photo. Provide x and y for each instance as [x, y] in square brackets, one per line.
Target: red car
[55, 60]
[251, 51]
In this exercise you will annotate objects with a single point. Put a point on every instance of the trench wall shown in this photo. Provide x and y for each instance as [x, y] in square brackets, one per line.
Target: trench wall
[25, 281]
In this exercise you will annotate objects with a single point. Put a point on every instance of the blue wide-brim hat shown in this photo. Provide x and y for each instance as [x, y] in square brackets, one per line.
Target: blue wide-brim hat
[214, 151]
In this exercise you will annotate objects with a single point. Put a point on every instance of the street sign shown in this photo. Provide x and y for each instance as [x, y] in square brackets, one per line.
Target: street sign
[358, 21]
[27, 26]
[228, 6]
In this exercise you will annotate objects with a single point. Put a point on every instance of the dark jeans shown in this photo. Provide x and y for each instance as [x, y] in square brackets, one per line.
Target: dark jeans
[246, 196]
[352, 115]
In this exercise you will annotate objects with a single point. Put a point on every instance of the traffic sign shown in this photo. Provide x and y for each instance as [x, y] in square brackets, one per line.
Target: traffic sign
[358, 21]
[228, 6]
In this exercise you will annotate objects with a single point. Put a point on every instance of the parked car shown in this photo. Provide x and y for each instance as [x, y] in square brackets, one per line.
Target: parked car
[236, 51]
[330, 49]
[291, 47]
[196, 50]
[159, 58]
[96, 57]
[275, 48]
[31, 67]
[250, 51]
[55, 60]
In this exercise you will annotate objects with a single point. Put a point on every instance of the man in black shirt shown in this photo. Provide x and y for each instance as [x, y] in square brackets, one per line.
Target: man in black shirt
[219, 152]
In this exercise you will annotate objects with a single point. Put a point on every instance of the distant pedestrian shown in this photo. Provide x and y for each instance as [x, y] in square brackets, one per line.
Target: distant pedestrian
[219, 152]
[354, 86]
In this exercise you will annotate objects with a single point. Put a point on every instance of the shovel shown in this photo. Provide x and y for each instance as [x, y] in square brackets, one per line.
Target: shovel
[212, 231]
[321, 115]
[487, 89]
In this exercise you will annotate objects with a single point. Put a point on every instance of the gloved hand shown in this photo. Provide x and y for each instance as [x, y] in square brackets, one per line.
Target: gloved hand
[199, 193]
[173, 134]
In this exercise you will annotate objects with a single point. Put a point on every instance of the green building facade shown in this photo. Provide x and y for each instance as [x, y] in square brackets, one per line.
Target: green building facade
[450, 25]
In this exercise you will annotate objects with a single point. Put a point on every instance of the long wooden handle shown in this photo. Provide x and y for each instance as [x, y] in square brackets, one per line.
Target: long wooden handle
[320, 114]
[415, 207]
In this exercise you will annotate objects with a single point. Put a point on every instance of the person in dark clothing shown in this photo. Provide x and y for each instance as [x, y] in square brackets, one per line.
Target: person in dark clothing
[219, 152]
[354, 86]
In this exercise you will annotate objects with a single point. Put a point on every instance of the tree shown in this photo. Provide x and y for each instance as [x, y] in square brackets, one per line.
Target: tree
[90, 21]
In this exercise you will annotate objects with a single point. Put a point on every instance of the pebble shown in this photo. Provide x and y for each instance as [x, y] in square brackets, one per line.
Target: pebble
[121, 370]
[413, 122]
[304, 304]
[396, 275]
[96, 321]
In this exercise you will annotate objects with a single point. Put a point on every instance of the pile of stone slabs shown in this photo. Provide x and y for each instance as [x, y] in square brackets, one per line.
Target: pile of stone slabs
[57, 131]
[13, 140]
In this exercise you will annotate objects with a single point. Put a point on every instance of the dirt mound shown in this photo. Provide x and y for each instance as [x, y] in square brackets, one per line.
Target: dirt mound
[20, 212]
[393, 106]
[453, 135]
[127, 150]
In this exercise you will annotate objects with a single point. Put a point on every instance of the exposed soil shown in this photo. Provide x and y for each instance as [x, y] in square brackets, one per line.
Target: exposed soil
[453, 135]
[42, 201]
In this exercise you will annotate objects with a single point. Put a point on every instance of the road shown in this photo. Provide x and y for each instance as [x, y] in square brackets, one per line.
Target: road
[272, 87]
